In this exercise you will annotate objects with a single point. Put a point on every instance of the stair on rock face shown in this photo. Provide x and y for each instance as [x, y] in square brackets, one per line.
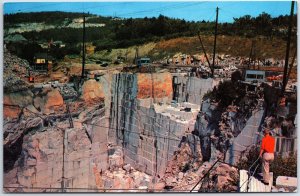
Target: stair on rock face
[255, 184]
[243, 179]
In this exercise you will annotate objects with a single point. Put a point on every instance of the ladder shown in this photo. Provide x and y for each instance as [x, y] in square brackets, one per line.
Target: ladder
[254, 183]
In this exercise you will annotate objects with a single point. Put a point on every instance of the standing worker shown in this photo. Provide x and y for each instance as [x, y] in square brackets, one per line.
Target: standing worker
[30, 78]
[267, 154]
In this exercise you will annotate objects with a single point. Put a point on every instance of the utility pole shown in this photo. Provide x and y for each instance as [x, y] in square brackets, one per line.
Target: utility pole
[136, 55]
[126, 54]
[286, 63]
[137, 52]
[48, 51]
[47, 55]
[215, 42]
[251, 54]
[83, 48]
[63, 163]
[292, 64]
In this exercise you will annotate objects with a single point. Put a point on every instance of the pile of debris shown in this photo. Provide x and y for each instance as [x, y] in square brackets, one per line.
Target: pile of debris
[126, 178]
[14, 63]
[68, 91]
[184, 170]
[14, 70]
[222, 178]
[120, 177]
[13, 83]
[187, 172]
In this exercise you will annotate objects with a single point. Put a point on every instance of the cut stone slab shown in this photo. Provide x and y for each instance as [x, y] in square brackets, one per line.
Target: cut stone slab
[286, 181]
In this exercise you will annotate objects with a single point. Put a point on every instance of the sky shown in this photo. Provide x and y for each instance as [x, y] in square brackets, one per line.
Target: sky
[190, 11]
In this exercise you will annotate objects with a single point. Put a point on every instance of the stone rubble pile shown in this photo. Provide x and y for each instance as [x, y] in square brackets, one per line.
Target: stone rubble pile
[121, 176]
[14, 63]
[182, 171]
[115, 160]
[185, 170]
[222, 178]
[225, 60]
[68, 92]
[126, 178]
[14, 70]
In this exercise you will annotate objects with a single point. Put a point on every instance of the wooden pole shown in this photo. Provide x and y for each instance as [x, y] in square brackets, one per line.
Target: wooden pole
[83, 48]
[63, 164]
[291, 65]
[215, 41]
[250, 56]
[286, 63]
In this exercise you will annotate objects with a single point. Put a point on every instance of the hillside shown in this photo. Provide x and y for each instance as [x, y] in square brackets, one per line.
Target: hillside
[112, 36]
[232, 45]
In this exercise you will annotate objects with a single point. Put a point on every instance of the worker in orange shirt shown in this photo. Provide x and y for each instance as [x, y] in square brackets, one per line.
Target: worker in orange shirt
[267, 154]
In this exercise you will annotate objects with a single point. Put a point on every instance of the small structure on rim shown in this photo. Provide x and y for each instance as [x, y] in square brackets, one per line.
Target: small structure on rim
[42, 62]
[145, 61]
[255, 76]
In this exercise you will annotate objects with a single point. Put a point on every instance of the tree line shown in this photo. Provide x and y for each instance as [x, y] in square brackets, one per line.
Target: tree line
[120, 33]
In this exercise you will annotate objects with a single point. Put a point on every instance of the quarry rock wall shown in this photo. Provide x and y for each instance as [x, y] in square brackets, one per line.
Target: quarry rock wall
[138, 117]
[228, 131]
[247, 137]
[21, 98]
[191, 89]
[41, 157]
[142, 121]
[205, 126]
[42, 150]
